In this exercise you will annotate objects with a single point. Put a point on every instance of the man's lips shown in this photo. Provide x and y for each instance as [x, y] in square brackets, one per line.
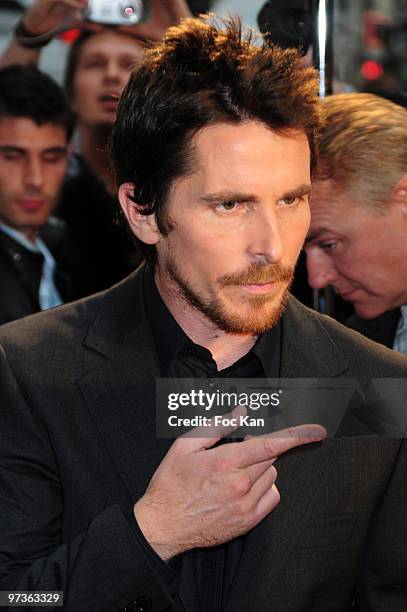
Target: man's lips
[30, 204]
[347, 295]
[109, 101]
[259, 288]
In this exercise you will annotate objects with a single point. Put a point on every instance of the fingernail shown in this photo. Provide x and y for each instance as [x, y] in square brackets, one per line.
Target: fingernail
[314, 431]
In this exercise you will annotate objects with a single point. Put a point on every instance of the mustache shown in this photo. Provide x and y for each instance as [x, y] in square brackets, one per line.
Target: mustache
[258, 274]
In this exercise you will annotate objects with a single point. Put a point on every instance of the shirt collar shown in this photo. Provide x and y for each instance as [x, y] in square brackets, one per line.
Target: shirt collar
[169, 338]
[38, 246]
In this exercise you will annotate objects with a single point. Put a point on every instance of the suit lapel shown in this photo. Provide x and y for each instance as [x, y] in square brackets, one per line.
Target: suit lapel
[307, 352]
[120, 392]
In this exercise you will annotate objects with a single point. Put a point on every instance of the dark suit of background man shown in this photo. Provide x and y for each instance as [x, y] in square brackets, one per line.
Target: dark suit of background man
[35, 125]
[213, 147]
[357, 239]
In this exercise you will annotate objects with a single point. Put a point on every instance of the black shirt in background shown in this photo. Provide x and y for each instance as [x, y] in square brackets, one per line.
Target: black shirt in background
[21, 272]
[179, 357]
[103, 249]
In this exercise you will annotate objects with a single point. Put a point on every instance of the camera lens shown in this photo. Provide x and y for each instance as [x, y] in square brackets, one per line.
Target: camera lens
[132, 10]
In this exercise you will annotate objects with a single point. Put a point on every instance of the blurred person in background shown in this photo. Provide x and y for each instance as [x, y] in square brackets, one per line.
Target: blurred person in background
[35, 125]
[357, 238]
[98, 67]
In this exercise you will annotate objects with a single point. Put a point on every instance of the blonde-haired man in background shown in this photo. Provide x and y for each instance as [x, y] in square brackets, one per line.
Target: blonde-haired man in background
[357, 238]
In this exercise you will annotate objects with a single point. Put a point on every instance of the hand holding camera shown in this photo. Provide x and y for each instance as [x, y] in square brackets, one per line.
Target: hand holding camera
[47, 15]
[146, 19]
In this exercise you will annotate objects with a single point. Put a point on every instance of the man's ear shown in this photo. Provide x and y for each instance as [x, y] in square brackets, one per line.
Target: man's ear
[400, 194]
[144, 227]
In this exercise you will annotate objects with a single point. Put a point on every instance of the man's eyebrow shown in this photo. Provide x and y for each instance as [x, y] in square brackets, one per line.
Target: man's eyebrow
[12, 149]
[94, 55]
[301, 190]
[55, 150]
[226, 195]
[314, 235]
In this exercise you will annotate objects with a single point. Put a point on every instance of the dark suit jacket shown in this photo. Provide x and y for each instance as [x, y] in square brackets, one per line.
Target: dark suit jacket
[381, 329]
[20, 273]
[78, 448]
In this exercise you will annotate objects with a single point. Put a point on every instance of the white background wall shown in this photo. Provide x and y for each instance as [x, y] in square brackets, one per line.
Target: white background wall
[247, 9]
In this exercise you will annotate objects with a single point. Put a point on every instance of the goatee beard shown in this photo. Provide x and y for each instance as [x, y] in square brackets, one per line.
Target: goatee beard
[233, 322]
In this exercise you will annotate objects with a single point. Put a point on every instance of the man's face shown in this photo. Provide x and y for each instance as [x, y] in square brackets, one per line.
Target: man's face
[32, 168]
[239, 222]
[361, 253]
[104, 67]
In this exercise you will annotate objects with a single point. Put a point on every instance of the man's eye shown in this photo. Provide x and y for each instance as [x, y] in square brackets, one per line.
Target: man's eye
[289, 201]
[96, 63]
[228, 205]
[327, 245]
[12, 156]
[127, 64]
[54, 158]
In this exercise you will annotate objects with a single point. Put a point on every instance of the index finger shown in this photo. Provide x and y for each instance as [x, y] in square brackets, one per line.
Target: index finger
[204, 437]
[271, 446]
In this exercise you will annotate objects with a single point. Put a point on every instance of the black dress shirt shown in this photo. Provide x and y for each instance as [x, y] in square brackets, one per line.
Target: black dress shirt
[179, 357]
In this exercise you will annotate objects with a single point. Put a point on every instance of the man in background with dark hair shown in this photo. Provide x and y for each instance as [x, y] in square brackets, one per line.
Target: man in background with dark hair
[213, 146]
[35, 126]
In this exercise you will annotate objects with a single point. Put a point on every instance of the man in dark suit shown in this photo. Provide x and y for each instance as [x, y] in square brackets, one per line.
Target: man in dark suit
[35, 125]
[356, 241]
[213, 147]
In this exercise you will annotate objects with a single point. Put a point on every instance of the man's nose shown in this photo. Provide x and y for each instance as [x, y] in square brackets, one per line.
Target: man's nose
[321, 269]
[34, 176]
[112, 72]
[266, 239]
